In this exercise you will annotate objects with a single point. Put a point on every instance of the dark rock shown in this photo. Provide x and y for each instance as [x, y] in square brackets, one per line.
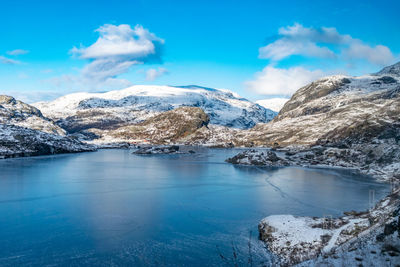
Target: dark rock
[387, 80]
[390, 228]
[149, 150]
[380, 237]
[390, 249]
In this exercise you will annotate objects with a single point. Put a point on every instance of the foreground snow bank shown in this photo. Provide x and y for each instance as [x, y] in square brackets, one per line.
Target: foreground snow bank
[298, 239]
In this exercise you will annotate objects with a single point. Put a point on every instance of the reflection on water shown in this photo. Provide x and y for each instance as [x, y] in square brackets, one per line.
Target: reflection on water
[112, 207]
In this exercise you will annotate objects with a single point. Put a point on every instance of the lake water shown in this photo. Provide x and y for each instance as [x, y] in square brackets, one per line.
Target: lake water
[114, 208]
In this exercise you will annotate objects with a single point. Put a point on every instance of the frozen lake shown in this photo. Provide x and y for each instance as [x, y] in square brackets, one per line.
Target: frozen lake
[113, 208]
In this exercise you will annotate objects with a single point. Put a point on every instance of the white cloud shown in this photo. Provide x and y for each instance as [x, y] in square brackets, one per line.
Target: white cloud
[9, 61]
[275, 104]
[17, 52]
[323, 43]
[118, 48]
[23, 75]
[286, 47]
[122, 42]
[153, 74]
[82, 83]
[276, 81]
[379, 55]
[46, 71]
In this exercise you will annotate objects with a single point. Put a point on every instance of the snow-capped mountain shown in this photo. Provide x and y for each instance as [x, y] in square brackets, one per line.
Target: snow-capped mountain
[274, 104]
[80, 111]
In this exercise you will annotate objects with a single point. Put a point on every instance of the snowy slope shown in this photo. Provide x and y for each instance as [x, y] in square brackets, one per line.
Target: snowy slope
[81, 111]
[15, 112]
[274, 104]
[390, 70]
[334, 108]
[24, 131]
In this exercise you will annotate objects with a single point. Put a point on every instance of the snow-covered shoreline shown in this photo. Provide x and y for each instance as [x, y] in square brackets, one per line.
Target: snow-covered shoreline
[298, 239]
[321, 241]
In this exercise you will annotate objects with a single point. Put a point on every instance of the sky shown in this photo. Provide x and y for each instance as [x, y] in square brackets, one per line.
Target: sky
[259, 49]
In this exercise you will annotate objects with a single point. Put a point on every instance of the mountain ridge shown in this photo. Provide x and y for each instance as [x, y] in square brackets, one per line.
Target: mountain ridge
[80, 111]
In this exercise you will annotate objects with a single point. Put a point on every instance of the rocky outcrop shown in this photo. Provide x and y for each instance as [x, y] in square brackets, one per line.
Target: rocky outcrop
[258, 158]
[18, 113]
[150, 150]
[17, 141]
[24, 131]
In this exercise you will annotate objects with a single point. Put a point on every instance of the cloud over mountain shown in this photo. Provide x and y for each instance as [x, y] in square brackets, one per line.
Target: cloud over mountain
[277, 81]
[153, 74]
[323, 43]
[118, 48]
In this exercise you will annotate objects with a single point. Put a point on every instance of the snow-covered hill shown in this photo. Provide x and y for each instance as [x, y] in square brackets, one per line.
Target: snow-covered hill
[80, 111]
[24, 131]
[15, 112]
[334, 108]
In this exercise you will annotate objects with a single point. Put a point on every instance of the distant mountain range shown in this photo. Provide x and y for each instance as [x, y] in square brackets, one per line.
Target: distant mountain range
[81, 111]
[328, 110]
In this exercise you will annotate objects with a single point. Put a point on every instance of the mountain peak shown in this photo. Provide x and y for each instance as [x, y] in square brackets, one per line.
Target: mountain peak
[390, 70]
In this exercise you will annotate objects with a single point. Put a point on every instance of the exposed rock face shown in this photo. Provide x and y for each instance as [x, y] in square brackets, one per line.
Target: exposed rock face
[16, 141]
[166, 128]
[18, 113]
[103, 111]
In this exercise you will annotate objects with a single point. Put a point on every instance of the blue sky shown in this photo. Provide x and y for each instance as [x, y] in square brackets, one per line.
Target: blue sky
[259, 49]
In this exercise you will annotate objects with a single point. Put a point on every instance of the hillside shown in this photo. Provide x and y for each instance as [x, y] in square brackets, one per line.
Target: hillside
[24, 131]
[165, 128]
